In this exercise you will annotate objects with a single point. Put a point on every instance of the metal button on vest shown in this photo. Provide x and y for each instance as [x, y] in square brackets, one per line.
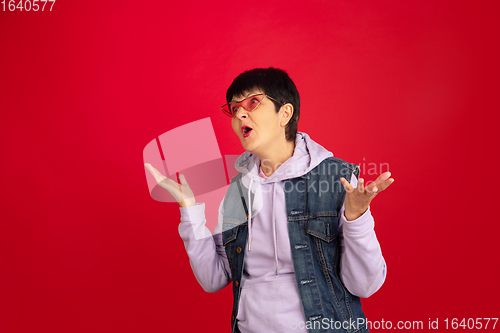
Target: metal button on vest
[237, 283]
[238, 249]
[232, 317]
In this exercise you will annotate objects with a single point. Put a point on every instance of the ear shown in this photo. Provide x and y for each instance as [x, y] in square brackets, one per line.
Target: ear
[286, 113]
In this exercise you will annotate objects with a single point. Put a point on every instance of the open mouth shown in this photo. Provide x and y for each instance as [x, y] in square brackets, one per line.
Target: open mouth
[246, 131]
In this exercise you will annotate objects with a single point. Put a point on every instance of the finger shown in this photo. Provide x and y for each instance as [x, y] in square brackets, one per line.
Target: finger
[373, 193]
[149, 167]
[183, 180]
[383, 177]
[152, 169]
[370, 187]
[185, 190]
[160, 178]
[385, 184]
[156, 174]
[348, 187]
[361, 185]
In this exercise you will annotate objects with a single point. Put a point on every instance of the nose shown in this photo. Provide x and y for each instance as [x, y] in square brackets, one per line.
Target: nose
[241, 113]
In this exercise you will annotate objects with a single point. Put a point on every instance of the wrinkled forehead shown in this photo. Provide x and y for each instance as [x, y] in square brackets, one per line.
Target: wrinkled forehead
[246, 93]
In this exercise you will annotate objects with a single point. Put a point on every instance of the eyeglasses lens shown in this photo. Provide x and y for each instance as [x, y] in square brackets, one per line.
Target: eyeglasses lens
[248, 104]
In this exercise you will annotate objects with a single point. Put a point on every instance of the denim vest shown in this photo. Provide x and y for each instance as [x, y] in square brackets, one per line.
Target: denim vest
[313, 203]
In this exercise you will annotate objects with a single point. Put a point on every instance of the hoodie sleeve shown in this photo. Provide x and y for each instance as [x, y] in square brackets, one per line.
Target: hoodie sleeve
[362, 266]
[206, 252]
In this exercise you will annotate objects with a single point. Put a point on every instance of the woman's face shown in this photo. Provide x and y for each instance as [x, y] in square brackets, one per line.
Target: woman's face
[264, 122]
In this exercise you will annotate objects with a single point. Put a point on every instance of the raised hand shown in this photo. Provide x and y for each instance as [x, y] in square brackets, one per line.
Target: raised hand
[181, 192]
[358, 199]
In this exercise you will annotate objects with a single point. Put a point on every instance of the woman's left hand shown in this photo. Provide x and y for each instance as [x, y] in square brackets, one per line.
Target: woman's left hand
[358, 199]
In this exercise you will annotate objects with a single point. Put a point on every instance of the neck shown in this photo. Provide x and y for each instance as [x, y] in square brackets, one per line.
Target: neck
[275, 156]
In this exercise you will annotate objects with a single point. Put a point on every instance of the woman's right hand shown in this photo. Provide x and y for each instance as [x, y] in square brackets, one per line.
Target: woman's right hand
[181, 192]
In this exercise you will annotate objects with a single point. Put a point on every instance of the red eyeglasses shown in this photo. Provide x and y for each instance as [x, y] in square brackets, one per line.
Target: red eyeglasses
[250, 103]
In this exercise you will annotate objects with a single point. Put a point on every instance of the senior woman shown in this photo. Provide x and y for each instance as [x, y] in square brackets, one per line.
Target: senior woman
[295, 234]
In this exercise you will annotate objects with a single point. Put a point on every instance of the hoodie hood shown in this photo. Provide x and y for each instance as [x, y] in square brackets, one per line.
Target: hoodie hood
[306, 156]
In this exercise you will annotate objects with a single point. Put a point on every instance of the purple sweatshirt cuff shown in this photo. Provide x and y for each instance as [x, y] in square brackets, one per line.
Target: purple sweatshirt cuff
[193, 214]
[193, 222]
[360, 225]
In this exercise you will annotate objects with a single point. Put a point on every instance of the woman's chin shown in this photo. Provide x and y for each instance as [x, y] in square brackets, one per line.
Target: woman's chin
[247, 145]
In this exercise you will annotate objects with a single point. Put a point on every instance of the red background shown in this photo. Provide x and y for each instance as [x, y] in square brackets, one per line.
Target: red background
[83, 248]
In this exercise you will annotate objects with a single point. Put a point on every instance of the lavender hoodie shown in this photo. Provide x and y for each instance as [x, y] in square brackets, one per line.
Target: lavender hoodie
[269, 300]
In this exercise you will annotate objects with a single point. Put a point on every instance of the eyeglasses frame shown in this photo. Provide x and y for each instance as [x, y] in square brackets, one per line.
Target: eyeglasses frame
[232, 115]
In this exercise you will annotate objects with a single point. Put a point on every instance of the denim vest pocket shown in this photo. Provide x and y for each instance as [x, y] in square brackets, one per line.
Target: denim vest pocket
[323, 227]
[229, 235]
[229, 231]
[324, 230]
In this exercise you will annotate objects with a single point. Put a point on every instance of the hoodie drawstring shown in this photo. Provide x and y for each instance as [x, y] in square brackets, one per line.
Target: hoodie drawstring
[273, 221]
[250, 216]
[274, 229]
